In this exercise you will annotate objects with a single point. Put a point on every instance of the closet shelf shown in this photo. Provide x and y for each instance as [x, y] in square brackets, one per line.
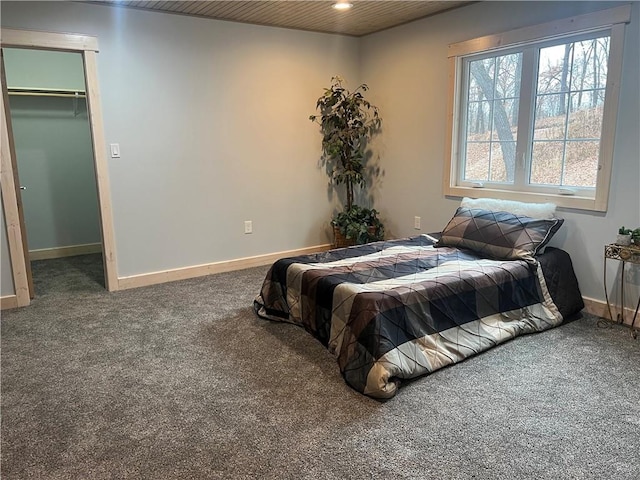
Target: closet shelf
[46, 92]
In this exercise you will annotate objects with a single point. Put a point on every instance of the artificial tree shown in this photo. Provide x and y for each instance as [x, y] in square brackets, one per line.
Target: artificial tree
[347, 122]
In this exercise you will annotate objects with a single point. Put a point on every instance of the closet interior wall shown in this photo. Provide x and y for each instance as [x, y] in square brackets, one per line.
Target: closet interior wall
[53, 152]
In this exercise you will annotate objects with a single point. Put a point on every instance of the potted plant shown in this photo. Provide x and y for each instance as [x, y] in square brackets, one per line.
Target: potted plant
[624, 236]
[635, 237]
[359, 224]
[347, 122]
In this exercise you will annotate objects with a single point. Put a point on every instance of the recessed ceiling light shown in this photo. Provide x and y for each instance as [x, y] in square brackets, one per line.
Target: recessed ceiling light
[342, 5]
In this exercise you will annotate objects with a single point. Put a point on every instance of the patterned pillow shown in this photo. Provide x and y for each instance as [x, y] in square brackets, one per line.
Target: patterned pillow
[499, 235]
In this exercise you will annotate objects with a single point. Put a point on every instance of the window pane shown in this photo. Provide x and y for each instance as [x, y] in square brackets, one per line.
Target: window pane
[569, 105]
[479, 121]
[589, 69]
[503, 161]
[492, 114]
[505, 120]
[581, 163]
[585, 117]
[586, 99]
[550, 117]
[546, 163]
[509, 68]
[553, 68]
[482, 77]
[477, 164]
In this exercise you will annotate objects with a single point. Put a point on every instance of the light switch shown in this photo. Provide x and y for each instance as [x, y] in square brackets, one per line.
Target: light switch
[115, 150]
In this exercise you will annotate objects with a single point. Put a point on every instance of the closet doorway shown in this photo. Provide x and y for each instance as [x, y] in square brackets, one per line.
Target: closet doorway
[54, 159]
[55, 150]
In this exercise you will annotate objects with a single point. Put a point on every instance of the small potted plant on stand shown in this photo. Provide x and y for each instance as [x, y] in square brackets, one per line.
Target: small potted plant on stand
[624, 236]
[347, 122]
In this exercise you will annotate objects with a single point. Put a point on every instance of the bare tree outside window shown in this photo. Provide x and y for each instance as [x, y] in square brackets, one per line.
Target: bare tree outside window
[567, 125]
[493, 112]
[568, 116]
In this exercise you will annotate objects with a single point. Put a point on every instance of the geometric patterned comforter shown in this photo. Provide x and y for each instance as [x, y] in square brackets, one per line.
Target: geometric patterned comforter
[401, 309]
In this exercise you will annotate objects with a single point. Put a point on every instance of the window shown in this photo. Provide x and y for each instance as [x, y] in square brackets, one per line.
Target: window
[533, 114]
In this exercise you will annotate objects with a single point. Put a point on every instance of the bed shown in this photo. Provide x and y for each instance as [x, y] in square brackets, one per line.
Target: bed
[396, 310]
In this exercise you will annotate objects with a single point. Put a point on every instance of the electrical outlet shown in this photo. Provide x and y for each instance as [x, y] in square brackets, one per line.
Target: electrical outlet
[416, 223]
[248, 226]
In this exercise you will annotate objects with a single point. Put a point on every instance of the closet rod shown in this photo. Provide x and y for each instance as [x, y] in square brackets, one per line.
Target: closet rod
[42, 92]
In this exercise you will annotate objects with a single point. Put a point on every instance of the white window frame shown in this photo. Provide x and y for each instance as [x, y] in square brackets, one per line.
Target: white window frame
[613, 20]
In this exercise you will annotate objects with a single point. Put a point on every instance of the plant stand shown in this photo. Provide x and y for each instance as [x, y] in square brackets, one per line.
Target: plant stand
[625, 254]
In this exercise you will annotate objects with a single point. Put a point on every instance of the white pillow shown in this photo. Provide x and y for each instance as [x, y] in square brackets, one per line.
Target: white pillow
[533, 210]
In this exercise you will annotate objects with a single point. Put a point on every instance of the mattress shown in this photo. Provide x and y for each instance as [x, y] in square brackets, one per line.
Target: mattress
[400, 309]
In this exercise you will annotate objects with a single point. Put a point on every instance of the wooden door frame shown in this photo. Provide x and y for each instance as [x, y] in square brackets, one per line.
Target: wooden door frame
[88, 47]
[8, 140]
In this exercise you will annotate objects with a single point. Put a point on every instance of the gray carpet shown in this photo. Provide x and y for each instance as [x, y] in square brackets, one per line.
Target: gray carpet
[182, 381]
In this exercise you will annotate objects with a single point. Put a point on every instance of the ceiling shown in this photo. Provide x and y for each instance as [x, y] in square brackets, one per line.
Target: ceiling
[366, 16]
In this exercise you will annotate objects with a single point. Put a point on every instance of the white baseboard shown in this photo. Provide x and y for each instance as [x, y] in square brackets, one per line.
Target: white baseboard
[59, 252]
[600, 309]
[9, 301]
[154, 278]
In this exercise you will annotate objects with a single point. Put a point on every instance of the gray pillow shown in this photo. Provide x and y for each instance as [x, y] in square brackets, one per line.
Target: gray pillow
[498, 235]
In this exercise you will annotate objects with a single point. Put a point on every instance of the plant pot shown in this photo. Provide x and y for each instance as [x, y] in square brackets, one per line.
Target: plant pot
[340, 241]
[623, 240]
